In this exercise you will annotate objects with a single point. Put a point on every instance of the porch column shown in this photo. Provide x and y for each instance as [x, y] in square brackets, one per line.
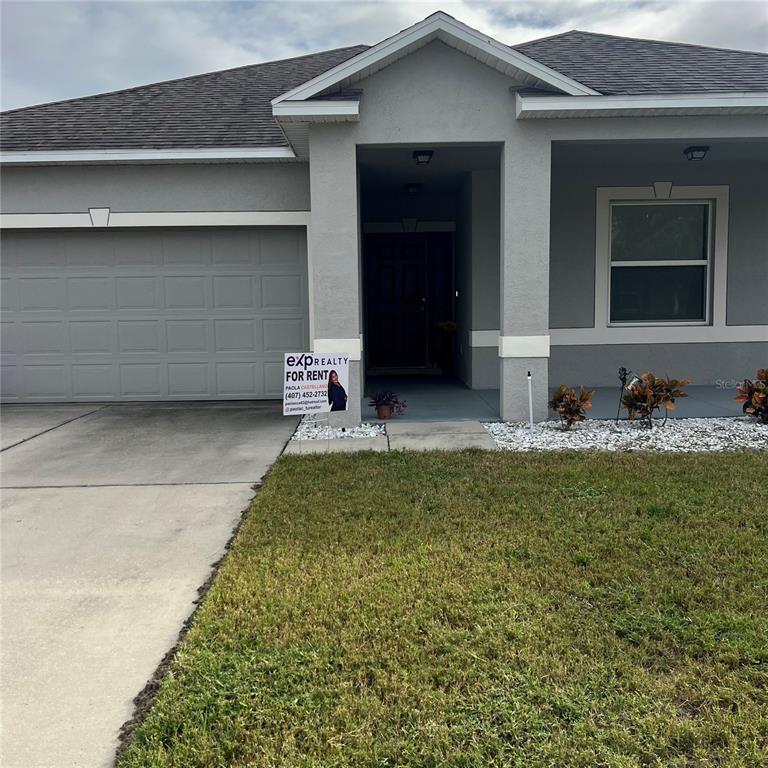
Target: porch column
[524, 339]
[334, 264]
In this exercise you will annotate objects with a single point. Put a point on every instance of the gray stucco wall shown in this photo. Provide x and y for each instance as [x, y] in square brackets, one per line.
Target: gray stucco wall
[706, 364]
[441, 96]
[203, 187]
[572, 268]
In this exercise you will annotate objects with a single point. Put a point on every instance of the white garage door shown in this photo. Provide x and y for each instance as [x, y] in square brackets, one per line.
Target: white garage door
[185, 314]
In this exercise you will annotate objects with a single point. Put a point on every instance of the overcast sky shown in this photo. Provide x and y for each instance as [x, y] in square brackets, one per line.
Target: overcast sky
[58, 50]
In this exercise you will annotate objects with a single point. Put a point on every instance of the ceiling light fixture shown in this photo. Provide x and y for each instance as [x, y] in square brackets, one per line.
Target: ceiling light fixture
[423, 156]
[696, 153]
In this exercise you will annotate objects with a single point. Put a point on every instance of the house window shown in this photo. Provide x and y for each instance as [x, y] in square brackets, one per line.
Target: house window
[659, 263]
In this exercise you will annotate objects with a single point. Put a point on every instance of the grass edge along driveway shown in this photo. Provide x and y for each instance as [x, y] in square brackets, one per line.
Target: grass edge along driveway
[481, 609]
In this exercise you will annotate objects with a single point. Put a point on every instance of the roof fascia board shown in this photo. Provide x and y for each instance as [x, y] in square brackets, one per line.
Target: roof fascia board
[146, 155]
[448, 29]
[320, 110]
[528, 107]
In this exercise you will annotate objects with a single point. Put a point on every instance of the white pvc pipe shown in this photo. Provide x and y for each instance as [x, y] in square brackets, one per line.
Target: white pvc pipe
[530, 401]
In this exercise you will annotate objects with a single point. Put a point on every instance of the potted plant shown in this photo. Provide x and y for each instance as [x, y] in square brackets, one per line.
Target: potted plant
[387, 404]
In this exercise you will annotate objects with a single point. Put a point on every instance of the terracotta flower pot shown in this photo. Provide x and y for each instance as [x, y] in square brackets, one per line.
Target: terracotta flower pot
[384, 412]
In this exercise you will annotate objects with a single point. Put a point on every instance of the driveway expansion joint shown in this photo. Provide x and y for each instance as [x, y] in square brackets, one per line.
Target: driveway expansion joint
[56, 426]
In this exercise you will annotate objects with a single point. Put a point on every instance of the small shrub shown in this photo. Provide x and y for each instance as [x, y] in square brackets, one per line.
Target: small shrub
[570, 405]
[648, 393]
[389, 399]
[754, 396]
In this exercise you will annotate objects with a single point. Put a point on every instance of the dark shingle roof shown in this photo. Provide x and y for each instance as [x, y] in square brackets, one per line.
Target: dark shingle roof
[232, 108]
[626, 65]
[221, 109]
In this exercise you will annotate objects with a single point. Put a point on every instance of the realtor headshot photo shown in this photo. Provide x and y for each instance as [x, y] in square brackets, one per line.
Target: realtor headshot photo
[337, 395]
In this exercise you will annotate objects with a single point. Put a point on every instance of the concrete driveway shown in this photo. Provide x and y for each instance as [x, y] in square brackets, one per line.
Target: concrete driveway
[111, 519]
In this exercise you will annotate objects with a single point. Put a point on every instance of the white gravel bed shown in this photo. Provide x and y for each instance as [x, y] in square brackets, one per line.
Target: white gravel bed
[676, 436]
[311, 428]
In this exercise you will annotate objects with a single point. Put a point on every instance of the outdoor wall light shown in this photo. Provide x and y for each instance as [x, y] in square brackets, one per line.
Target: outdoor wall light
[696, 153]
[413, 189]
[423, 156]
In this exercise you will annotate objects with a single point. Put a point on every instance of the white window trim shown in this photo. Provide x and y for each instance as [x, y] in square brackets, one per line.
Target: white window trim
[603, 332]
[706, 263]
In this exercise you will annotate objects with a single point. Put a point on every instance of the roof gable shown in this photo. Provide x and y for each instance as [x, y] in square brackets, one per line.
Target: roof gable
[625, 66]
[438, 26]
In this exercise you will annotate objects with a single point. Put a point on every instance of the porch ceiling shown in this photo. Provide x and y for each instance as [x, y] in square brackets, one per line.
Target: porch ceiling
[393, 167]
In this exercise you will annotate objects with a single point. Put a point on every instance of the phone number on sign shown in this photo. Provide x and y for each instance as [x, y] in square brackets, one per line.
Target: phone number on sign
[306, 395]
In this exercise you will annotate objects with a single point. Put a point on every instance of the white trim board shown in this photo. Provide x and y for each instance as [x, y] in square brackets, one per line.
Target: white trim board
[689, 334]
[147, 155]
[352, 347]
[568, 337]
[438, 26]
[524, 346]
[329, 111]
[154, 219]
[556, 106]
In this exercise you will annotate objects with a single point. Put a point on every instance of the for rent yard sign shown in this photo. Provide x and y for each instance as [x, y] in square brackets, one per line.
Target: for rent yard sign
[315, 383]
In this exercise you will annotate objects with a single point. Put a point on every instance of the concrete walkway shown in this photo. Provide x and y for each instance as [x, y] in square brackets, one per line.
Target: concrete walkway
[405, 436]
[111, 519]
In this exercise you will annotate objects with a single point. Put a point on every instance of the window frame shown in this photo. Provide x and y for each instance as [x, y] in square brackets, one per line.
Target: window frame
[706, 263]
[601, 332]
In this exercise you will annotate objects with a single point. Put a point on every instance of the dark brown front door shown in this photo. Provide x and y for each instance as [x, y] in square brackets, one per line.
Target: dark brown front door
[407, 279]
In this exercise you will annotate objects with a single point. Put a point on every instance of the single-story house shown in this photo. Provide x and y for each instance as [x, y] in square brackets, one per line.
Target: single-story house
[438, 201]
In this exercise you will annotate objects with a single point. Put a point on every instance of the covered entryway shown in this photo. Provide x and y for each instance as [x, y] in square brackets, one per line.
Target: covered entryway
[151, 314]
[430, 262]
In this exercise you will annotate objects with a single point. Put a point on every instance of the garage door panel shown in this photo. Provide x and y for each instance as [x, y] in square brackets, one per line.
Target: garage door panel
[235, 248]
[177, 314]
[44, 337]
[233, 292]
[281, 246]
[186, 336]
[138, 292]
[46, 382]
[41, 294]
[8, 291]
[91, 293]
[92, 337]
[235, 379]
[186, 249]
[143, 380]
[235, 335]
[273, 378]
[138, 249]
[188, 379]
[93, 382]
[9, 338]
[282, 333]
[10, 382]
[96, 251]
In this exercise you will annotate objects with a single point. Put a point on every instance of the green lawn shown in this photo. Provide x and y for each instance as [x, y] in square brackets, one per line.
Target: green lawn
[482, 609]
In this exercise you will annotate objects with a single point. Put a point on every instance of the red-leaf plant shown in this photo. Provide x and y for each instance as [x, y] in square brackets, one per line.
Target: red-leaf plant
[570, 405]
[754, 396]
[649, 393]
